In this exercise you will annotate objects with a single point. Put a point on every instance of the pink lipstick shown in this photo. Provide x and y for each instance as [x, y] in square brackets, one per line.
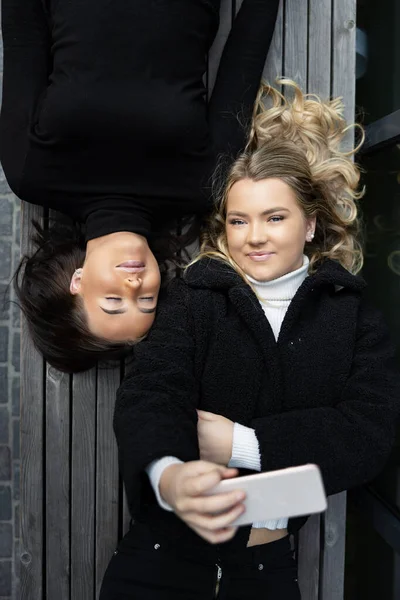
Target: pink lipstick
[132, 266]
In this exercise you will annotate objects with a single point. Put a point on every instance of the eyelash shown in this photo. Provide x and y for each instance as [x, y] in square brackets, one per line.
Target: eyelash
[239, 221]
[113, 298]
[148, 298]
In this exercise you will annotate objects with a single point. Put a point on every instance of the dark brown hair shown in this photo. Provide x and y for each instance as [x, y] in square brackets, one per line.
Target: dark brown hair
[56, 318]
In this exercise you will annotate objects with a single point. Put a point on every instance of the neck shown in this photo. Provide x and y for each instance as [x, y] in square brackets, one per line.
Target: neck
[282, 288]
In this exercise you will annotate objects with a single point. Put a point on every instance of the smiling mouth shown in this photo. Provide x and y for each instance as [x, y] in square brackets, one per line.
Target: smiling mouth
[260, 256]
[132, 266]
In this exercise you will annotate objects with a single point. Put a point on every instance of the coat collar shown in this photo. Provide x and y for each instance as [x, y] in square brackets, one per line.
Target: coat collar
[213, 274]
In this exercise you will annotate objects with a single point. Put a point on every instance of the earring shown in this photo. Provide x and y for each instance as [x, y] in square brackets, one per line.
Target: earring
[310, 237]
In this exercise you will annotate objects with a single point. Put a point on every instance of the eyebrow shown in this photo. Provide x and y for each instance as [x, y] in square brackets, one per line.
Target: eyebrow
[265, 212]
[120, 311]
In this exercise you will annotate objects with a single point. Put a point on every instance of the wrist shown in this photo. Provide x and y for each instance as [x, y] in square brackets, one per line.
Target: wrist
[166, 482]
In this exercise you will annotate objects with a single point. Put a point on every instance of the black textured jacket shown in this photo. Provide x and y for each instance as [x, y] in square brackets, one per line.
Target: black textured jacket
[327, 392]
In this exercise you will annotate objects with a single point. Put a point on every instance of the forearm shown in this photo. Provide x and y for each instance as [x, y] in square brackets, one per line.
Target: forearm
[349, 451]
[240, 73]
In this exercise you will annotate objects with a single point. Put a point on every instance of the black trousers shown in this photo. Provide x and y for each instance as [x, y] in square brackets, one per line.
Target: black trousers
[147, 567]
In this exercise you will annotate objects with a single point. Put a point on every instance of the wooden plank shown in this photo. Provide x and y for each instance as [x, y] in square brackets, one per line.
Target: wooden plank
[296, 41]
[107, 479]
[125, 516]
[344, 58]
[219, 42]
[309, 558]
[83, 485]
[274, 63]
[319, 47]
[334, 541]
[57, 484]
[32, 440]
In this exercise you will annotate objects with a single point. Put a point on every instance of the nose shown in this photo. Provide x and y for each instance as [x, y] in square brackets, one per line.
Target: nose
[257, 234]
[133, 282]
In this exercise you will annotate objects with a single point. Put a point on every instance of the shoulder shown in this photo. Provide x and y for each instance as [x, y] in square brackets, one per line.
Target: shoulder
[331, 273]
[371, 320]
[212, 274]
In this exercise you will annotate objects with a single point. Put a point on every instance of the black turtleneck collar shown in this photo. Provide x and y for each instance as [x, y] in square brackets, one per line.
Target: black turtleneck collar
[123, 216]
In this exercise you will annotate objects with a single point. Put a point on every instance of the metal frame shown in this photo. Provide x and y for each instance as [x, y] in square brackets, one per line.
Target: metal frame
[382, 132]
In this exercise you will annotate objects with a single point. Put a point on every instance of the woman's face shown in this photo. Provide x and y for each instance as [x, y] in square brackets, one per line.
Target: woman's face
[266, 228]
[119, 285]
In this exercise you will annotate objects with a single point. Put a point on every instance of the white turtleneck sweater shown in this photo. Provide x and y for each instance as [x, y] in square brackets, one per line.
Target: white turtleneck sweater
[275, 297]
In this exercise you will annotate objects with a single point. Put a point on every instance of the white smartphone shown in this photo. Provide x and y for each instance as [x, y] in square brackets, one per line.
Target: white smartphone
[288, 493]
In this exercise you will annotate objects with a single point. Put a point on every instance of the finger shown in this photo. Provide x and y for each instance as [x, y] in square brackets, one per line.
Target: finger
[214, 523]
[200, 467]
[206, 416]
[229, 473]
[215, 504]
[199, 484]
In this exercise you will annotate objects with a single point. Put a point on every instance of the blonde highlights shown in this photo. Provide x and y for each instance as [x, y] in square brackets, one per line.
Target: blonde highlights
[299, 140]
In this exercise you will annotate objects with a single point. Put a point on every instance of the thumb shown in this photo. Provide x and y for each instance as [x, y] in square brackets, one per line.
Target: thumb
[200, 467]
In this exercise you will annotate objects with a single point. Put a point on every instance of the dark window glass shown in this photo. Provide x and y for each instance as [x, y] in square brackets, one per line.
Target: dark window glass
[378, 58]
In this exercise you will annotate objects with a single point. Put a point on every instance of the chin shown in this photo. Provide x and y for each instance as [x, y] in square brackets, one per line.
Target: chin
[262, 274]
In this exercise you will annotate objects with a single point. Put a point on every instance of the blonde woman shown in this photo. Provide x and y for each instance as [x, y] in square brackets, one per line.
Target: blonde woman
[264, 356]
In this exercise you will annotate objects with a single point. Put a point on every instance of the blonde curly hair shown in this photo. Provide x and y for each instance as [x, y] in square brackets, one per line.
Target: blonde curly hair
[299, 141]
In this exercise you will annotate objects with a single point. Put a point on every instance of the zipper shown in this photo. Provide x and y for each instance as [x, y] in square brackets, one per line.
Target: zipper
[218, 582]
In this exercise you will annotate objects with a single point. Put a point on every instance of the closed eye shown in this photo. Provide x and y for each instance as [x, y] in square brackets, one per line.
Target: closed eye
[146, 300]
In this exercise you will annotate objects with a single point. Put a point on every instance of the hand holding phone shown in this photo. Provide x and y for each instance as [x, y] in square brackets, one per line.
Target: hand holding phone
[288, 493]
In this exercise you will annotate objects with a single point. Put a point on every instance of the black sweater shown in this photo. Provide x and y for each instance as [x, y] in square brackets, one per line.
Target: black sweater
[327, 392]
[104, 113]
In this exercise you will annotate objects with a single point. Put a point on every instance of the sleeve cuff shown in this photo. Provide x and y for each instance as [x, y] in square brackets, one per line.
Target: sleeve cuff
[154, 470]
[245, 449]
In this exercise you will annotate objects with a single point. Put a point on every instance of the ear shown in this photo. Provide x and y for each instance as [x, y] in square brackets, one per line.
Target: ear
[310, 230]
[76, 280]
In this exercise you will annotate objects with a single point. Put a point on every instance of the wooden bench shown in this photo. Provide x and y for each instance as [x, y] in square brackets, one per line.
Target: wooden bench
[72, 505]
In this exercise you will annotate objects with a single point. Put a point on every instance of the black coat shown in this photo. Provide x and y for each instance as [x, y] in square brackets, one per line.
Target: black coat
[327, 392]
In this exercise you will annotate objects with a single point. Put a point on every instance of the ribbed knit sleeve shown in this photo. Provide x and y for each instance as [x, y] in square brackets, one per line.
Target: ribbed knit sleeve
[154, 470]
[245, 450]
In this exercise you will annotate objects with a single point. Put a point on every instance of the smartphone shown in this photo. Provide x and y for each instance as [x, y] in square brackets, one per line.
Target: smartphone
[288, 493]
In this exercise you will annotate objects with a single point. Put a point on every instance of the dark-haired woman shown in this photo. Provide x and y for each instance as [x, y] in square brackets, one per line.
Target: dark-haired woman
[105, 119]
